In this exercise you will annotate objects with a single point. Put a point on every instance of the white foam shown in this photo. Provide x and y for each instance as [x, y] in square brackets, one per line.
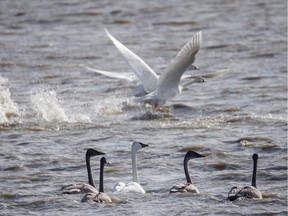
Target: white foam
[9, 113]
[80, 118]
[47, 106]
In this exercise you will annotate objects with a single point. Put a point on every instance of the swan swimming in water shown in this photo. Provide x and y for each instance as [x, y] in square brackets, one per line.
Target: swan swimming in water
[250, 192]
[84, 187]
[187, 187]
[134, 186]
[100, 196]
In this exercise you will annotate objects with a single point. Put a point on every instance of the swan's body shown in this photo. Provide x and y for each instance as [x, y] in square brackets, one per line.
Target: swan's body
[187, 187]
[139, 90]
[131, 187]
[134, 186]
[249, 192]
[101, 196]
[168, 83]
[77, 188]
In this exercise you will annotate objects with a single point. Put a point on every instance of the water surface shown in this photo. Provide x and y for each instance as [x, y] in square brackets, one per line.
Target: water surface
[52, 109]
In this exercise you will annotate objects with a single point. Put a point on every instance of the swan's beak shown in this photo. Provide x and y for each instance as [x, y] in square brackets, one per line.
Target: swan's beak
[199, 155]
[144, 145]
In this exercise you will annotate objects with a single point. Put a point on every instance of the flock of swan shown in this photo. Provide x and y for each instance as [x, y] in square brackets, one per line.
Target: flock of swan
[94, 195]
[154, 89]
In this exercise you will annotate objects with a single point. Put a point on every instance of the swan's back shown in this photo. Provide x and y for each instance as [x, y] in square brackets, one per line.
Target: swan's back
[248, 192]
[184, 188]
[131, 187]
[78, 188]
[99, 197]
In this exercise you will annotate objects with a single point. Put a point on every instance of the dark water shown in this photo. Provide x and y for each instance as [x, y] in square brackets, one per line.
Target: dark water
[52, 109]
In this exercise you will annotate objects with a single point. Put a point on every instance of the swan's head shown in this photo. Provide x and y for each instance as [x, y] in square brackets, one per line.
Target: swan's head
[255, 157]
[138, 145]
[92, 152]
[104, 161]
[192, 154]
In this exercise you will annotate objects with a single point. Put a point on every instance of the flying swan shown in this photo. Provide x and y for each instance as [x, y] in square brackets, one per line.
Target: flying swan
[187, 187]
[147, 77]
[77, 188]
[134, 186]
[168, 83]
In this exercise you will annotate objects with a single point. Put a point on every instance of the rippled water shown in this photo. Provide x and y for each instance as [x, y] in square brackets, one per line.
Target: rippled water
[52, 109]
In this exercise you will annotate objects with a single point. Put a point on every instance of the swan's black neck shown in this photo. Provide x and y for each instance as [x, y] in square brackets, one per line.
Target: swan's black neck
[101, 183]
[90, 178]
[255, 158]
[188, 178]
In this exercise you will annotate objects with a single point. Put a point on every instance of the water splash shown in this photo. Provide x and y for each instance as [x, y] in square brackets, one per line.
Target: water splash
[9, 113]
[47, 106]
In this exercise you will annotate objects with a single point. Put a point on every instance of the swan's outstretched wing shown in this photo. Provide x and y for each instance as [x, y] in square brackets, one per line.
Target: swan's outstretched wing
[172, 75]
[144, 73]
[121, 75]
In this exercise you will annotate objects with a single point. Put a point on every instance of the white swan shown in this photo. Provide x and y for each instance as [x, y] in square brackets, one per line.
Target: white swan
[168, 83]
[148, 78]
[100, 196]
[187, 187]
[134, 186]
[77, 188]
[250, 192]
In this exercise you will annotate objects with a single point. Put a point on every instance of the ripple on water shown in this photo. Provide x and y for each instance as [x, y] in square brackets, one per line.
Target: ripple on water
[14, 168]
[250, 140]
[192, 148]
[220, 165]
